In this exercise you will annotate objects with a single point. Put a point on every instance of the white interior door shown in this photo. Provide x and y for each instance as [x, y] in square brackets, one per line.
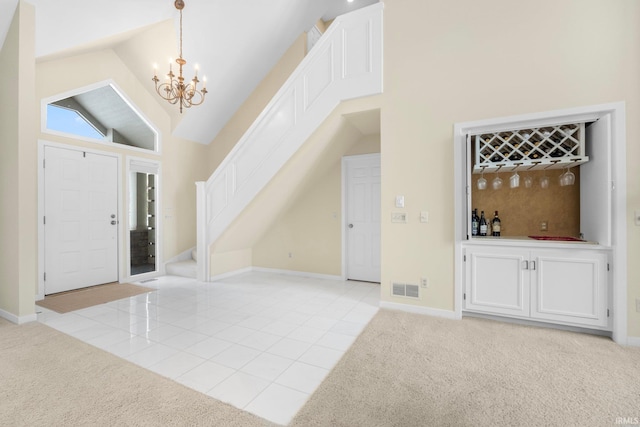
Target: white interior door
[362, 200]
[80, 208]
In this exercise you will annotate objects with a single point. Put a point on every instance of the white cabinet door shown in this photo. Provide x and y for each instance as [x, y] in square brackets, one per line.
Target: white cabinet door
[570, 287]
[497, 281]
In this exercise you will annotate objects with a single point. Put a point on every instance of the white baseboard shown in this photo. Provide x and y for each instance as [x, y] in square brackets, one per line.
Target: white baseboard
[230, 274]
[633, 341]
[428, 311]
[18, 320]
[297, 273]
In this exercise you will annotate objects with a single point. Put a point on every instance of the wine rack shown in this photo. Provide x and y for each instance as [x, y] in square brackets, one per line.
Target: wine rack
[547, 147]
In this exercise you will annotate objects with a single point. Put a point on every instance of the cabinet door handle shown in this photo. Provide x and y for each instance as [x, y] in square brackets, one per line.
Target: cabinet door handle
[526, 265]
[533, 265]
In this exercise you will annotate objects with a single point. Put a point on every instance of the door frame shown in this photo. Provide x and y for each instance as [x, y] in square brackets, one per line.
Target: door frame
[41, 181]
[155, 165]
[344, 222]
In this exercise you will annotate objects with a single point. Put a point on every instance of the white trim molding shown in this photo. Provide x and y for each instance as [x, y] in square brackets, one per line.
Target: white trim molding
[417, 309]
[633, 341]
[296, 273]
[18, 320]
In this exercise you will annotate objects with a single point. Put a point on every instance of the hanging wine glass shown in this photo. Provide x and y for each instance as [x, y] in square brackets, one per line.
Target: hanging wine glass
[528, 181]
[544, 181]
[562, 179]
[497, 182]
[482, 183]
[514, 180]
[570, 178]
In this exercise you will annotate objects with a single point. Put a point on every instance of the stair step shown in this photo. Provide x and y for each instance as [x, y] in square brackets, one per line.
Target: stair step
[182, 269]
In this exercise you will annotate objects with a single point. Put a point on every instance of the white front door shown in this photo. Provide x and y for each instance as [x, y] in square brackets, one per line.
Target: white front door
[80, 223]
[362, 181]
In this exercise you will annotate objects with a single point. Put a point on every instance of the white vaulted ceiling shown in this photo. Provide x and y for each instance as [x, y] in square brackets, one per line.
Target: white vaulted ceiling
[234, 42]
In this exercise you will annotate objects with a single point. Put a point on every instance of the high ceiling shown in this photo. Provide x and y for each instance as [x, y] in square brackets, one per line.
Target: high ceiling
[234, 42]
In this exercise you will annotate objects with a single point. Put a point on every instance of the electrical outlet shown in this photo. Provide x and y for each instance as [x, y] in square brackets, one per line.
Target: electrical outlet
[544, 225]
[638, 305]
[424, 282]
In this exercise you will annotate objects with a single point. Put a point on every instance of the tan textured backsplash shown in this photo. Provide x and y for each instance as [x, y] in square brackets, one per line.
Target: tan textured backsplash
[522, 209]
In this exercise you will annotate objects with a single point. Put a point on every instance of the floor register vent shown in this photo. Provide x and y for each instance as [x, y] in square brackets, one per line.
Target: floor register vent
[406, 290]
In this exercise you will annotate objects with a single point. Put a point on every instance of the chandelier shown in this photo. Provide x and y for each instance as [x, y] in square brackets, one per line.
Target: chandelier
[174, 88]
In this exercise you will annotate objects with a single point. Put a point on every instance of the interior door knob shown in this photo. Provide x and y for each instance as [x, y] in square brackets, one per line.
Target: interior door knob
[350, 225]
[113, 222]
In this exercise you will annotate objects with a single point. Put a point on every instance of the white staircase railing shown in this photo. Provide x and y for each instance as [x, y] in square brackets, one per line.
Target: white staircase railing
[346, 63]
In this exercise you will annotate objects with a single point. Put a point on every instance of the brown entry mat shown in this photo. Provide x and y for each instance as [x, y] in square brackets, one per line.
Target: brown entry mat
[65, 302]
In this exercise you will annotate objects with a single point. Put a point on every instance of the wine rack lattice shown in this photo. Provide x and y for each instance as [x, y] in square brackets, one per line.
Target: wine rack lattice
[547, 147]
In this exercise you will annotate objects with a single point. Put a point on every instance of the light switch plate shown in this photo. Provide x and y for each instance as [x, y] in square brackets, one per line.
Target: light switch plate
[424, 216]
[399, 201]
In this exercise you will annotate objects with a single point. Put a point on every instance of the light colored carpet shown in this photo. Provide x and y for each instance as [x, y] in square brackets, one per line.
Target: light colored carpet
[51, 379]
[412, 370]
[404, 370]
[64, 302]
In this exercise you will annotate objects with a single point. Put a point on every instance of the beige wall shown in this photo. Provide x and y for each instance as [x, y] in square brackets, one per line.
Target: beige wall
[448, 62]
[307, 235]
[17, 167]
[9, 169]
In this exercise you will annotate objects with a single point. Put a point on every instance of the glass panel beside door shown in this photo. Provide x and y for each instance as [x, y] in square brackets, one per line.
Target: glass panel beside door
[143, 210]
[143, 223]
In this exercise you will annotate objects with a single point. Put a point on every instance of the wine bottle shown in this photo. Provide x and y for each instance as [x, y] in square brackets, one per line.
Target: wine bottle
[475, 222]
[496, 225]
[483, 224]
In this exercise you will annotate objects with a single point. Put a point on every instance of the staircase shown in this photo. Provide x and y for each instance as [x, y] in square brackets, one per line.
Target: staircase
[345, 63]
[184, 265]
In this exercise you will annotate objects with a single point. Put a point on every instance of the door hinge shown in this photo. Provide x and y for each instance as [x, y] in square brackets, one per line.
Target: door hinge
[608, 267]
[464, 296]
[464, 258]
[45, 277]
[607, 312]
[44, 163]
[84, 154]
[44, 220]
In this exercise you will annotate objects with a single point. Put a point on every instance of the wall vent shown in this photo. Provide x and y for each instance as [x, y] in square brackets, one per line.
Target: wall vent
[406, 290]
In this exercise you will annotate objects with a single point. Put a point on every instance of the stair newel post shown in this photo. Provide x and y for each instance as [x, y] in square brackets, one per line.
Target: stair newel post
[202, 246]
